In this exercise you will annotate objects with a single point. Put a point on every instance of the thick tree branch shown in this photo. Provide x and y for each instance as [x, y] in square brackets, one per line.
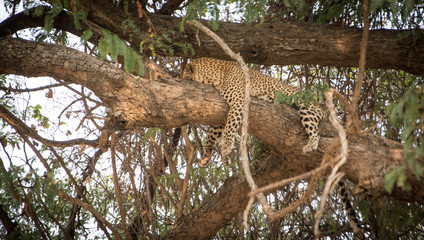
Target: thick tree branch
[269, 43]
[281, 43]
[171, 103]
[20, 21]
[140, 103]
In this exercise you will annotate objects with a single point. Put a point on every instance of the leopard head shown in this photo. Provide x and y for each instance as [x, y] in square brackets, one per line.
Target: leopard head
[204, 70]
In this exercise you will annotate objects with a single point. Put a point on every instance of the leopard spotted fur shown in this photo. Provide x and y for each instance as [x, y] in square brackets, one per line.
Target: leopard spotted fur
[228, 78]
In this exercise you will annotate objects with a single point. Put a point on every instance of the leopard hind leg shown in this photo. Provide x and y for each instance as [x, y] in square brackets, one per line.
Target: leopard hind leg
[214, 133]
[310, 117]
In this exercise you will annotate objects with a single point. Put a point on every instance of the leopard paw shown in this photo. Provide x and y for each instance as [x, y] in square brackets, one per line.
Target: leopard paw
[204, 162]
[310, 147]
[226, 149]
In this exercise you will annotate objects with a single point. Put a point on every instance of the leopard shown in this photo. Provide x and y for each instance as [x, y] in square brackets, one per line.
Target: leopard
[228, 78]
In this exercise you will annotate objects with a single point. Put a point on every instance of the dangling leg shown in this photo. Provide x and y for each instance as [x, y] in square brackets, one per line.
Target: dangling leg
[310, 118]
[233, 124]
[214, 133]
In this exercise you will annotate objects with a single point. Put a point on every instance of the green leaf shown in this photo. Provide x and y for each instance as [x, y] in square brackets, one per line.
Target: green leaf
[54, 11]
[396, 113]
[140, 66]
[87, 34]
[103, 48]
[79, 17]
[389, 181]
[390, 178]
[129, 60]
[38, 11]
[401, 180]
[141, 46]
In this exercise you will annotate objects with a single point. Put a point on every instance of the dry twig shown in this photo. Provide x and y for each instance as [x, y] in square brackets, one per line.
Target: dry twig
[362, 59]
[190, 156]
[122, 210]
[334, 176]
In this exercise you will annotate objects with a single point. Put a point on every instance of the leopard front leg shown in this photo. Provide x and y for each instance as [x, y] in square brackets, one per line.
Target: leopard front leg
[233, 124]
[214, 133]
[310, 118]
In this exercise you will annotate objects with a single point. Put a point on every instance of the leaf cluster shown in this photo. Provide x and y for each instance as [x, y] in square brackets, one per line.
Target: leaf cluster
[111, 45]
[35, 113]
[313, 94]
[408, 115]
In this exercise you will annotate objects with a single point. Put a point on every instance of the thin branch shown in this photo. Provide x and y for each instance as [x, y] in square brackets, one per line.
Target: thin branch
[92, 210]
[276, 185]
[357, 126]
[335, 176]
[65, 84]
[168, 157]
[84, 203]
[190, 156]
[28, 208]
[316, 173]
[74, 182]
[362, 56]
[17, 90]
[88, 113]
[137, 198]
[80, 192]
[122, 210]
[152, 172]
[22, 128]
[65, 233]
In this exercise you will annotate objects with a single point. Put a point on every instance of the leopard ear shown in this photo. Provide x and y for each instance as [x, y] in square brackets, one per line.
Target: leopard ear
[188, 72]
[190, 68]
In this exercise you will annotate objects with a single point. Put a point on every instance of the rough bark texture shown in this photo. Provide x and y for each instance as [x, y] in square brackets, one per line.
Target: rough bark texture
[266, 44]
[278, 43]
[171, 103]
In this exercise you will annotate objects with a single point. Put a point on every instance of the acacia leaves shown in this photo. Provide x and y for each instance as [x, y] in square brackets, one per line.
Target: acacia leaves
[408, 115]
[312, 95]
[111, 45]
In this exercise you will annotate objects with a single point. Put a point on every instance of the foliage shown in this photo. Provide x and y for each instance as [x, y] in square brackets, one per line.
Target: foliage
[153, 42]
[397, 14]
[408, 115]
[35, 113]
[111, 45]
[313, 94]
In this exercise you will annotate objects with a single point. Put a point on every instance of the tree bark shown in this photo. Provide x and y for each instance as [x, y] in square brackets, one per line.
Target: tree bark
[276, 43]
[167, 103]
[266, 44]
